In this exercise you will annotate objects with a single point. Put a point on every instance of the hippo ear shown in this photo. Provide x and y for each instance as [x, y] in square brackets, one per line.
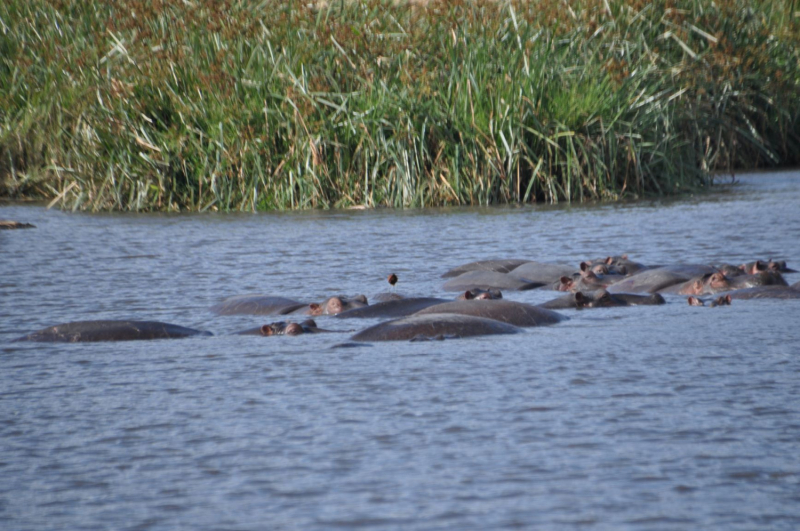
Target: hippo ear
[266, 330]
[694, 301]
[468, 295]
[584, 266]
[361, 298]
[566, 283]
[728, 298]
[580, 298]
[609, 260]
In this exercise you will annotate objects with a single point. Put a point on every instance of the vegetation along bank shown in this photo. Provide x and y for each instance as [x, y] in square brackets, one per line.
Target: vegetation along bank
[250, 105]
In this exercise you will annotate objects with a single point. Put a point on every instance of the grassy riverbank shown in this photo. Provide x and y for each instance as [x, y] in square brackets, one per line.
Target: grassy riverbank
[153, 105]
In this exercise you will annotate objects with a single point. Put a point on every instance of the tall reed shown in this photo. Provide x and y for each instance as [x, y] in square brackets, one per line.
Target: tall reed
[236, 105]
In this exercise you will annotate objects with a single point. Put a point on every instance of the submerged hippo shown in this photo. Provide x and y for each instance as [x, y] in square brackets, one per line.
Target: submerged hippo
[601, 299]
[515, 313]
[706, 284]
[269, 305]
[657, 278]
[718, 282]
[488, 280]
[766, 292]
[334, 306]
[257, 305]
[434, 326]
[90, 331]
[391, 308]
[386, 296]
[586, 280]
[620, 265]
[282, 328]
[723, 300]
[480, 294]
[751, 268]
[498, 266]
[544, 273]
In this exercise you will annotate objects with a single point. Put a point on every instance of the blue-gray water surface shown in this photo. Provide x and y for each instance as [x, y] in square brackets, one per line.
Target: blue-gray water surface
[646, 418]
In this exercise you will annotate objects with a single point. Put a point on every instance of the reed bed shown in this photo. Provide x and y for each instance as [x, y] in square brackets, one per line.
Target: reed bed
[237, 105]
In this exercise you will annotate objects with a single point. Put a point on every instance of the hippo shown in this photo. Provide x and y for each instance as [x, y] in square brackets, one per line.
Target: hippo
[91, 331]
[488, 280]
[751, 268]
[480, 294]
[498, 266]
[657, 278]
[766, 292]
[542, 272]
[723, 300]
[7, 224]
[386, 296]
[434, 326]
[586, 280]
[257, 305]
[270, 305]
[282, 328]
[707, 284]
[333, 306]
[391, 309]
[730, 270]
[601, 299]
[620, 265]
[515, 313]
[763, 278]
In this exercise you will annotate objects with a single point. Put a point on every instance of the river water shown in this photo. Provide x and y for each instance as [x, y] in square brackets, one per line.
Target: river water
[669, 417]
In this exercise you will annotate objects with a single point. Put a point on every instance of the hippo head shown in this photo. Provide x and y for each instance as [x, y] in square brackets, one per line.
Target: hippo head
[730, 270]
[589, 271]
[581, 300]
[718, 281]
[336, 305]
[597, 269]
[293, 329]
[602, 299]
[779, 266]
[751, 268]
[333, 306]
[273, 329]
[565, 284]
[722, 301]
[480, 294]
[281, 328]
[694, 301]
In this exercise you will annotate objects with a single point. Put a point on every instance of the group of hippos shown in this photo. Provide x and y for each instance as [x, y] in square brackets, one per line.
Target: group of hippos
[480, 308]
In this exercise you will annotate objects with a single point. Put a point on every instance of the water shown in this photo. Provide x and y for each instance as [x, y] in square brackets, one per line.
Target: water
[670, 417]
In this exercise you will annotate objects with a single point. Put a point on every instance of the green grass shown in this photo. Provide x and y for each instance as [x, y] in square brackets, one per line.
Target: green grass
[152, 105]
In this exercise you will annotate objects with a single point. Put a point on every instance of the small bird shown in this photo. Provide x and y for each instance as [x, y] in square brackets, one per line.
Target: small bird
[392, 280]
